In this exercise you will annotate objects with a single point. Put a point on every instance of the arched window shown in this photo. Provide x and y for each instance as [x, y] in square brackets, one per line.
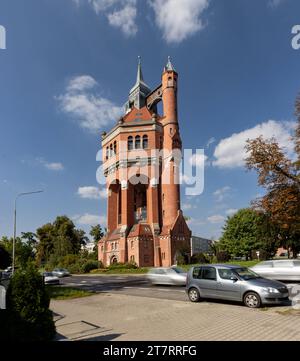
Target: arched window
[137, 142]
[130, 143]
[115, 147]
[111, 150]
[107, 153]
[170, 81]
[145, 141]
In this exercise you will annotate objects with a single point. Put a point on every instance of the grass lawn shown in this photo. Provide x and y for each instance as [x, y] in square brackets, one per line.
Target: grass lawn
[64, 293]
[121, 271]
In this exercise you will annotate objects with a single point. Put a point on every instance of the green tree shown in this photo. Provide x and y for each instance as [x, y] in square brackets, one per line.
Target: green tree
[29, 238]
[245, 231]
[59, 239]
[5, 258]
[28, 305]
[96, 233]
[23, 251]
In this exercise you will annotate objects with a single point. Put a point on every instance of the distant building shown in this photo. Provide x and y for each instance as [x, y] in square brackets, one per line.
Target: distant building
[200, 245]
[88, 247]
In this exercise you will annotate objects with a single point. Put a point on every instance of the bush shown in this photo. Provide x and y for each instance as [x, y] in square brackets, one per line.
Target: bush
[28, 306]
[90, 265]
[199, 258]
[222, 256]
[122, 266]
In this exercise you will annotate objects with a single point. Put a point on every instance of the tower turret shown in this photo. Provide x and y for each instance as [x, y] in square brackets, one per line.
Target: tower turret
[139, 92]
[171, 142]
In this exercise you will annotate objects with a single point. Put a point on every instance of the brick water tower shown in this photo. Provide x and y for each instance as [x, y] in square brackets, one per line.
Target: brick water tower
[145, 223]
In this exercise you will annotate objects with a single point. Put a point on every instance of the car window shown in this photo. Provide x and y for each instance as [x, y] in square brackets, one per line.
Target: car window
[197, 272]
[284, 264]
[225, 273]
[208, 273]
[178, 270]
[246, 274]
[265, 264]
[160, 271]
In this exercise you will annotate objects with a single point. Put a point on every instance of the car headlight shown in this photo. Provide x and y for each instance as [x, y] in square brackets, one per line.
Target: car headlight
[271, 290]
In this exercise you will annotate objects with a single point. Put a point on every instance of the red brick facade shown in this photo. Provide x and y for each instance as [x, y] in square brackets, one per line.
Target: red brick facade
[144, 222]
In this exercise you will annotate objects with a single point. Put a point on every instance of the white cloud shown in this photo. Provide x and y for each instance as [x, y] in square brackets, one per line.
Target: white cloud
[178, 19]
[221, 193]
[186, 206]
[120, 13]
[275, 3]
[124, 19]
[80, 83]
[210, 141]
[89, 108]
[198, 160]
[231, 211]
[217, 218]
[55, 166]
[89, 219]
[230, 152]
[90, 192]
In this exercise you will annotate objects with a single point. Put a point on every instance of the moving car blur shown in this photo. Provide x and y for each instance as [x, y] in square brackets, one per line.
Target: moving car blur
[167, 276]
[61, 272]
[50, 279]
[283, 270]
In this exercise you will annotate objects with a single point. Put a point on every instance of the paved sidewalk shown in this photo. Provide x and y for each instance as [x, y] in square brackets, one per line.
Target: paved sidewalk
[124, 318]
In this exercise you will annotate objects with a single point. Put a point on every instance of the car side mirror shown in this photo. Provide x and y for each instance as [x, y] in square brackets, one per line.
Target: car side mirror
[234, 278]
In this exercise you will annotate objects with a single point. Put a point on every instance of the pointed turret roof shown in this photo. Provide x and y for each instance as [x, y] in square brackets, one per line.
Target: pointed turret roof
[139, 77]
[169, 66]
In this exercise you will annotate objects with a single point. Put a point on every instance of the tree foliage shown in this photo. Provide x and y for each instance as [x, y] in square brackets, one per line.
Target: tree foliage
[97, 233]
[280, 176]
[23, 252]
[59, 239]
[248, 230]
[28, 306]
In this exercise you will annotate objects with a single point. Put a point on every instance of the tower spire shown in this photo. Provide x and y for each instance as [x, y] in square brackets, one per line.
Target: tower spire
[139, 77]
[169, 65]
[139, 92]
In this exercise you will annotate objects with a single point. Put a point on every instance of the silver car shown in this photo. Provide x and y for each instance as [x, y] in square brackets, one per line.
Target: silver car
[234, 283]
[284, 270]
[167, 276]
[61, 272]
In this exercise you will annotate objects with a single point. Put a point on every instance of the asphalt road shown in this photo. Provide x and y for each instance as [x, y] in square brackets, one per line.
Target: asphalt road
[130, 285]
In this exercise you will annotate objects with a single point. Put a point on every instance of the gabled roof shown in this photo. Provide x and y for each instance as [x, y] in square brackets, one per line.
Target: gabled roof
[136, 115]
[140, 229]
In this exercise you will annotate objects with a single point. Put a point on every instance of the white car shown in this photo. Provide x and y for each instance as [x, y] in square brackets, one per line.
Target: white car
[50, 279]
[167, 276]
[282, 270]
[61, 272]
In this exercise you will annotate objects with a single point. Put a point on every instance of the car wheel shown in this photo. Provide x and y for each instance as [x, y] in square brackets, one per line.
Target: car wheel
[252, 300]
[194, 295]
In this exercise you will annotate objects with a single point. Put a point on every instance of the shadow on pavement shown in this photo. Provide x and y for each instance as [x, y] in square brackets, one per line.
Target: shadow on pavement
[109, 337]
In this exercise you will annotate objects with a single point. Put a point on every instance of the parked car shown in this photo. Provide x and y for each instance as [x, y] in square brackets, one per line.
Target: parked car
[235, 283]
[50, 279]
[61, 272]
[167, 276]
[283, 270]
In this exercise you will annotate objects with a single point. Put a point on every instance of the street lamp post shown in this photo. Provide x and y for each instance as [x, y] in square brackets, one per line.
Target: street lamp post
[15, 225]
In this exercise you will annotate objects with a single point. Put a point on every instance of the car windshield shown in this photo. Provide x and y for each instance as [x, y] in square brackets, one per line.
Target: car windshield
[246, 274]
[178, 270]
[48, 274]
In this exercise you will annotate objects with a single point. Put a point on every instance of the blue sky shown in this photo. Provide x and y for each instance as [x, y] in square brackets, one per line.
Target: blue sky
[69, 65]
